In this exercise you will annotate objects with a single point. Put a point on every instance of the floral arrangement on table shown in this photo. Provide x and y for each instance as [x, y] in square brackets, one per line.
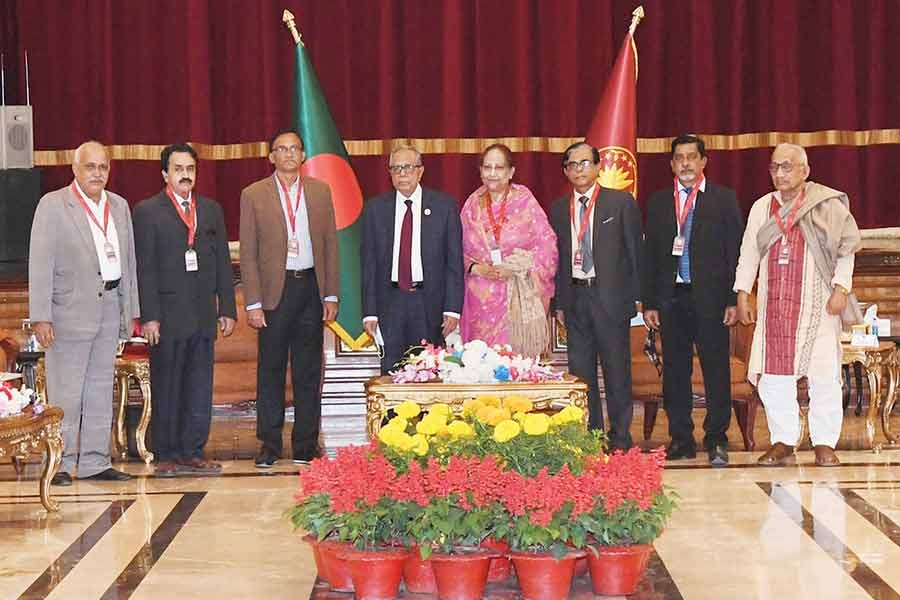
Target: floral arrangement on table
[14, 401]
[446, 483]
[473, 362]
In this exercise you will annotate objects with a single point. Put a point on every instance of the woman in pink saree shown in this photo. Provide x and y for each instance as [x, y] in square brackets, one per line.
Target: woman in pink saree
[509, 252]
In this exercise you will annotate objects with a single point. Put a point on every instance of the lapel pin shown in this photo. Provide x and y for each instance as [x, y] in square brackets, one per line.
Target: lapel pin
[427, 211]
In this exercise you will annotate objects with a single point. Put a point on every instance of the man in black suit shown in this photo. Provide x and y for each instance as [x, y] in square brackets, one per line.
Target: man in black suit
[693, 238]
[598, 233]
[186, 292]
[412, 261]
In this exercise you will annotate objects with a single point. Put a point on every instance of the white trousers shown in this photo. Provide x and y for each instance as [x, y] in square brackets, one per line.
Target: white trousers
[826, 412]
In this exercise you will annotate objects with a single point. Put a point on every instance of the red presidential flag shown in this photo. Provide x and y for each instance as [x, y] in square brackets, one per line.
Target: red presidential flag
[613, 131]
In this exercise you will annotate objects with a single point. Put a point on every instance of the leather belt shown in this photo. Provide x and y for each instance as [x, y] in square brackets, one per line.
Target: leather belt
[111, 285]
[300, 273]
[684, 287]
[586, 282]
[416, 285]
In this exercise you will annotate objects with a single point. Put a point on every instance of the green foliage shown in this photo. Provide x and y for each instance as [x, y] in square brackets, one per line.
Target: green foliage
[444, 525]
[628, 524]
[314, 516]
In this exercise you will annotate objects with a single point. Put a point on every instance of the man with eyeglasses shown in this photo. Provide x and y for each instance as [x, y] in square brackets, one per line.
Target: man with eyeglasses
[800, 240]
[411, 255]
[598, 235]
[289, 267]
[83, 297]
[691, 245]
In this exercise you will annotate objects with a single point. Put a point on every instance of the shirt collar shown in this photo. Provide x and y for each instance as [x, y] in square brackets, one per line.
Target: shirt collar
[293, 186]
[681, 188]
[416, 196]
[181, 200]
[589, 192]
[89, 201]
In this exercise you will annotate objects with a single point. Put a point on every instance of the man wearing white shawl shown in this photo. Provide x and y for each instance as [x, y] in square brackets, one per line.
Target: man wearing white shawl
[801, 240]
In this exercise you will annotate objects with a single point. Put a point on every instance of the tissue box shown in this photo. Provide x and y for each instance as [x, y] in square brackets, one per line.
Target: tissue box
[884, 328]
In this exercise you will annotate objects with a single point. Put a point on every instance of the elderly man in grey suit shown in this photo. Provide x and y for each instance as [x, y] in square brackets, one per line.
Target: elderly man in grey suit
[82, 298]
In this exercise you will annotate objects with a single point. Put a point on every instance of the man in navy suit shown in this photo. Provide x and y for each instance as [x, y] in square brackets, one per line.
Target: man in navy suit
[598, 234]
[412, 261]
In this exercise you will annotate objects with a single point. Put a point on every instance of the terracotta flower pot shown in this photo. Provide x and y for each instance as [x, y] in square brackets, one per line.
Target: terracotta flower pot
[317, 554]
[336, 568]
[376, 573]
[501, 567]
[616, 570]
[461, 576]
[543, 577]
[418, 576]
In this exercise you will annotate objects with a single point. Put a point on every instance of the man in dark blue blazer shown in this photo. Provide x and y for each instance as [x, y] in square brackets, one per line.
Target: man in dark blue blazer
[598, 234]
[412, 261]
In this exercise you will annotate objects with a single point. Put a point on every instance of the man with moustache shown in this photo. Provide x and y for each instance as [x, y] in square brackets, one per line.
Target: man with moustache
[598, 234]
[83, 297]
[289, 267]
[412, 260]
[691, 246]
[186, 290]
[801, 239]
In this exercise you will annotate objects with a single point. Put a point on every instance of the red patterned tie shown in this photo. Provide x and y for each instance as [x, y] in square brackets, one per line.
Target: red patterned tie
[404, 261]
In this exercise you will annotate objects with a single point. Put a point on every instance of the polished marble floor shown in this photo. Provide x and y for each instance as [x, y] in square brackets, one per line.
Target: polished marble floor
[798, 532]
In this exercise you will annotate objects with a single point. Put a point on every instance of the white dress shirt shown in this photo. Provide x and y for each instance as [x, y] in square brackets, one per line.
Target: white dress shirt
[577, 273]
[682, 198]
[109, 270]
[399, 213]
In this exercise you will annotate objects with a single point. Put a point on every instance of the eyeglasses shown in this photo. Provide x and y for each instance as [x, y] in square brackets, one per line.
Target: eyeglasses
[287, 149]
[578, 165]
[404, 169]
[786, 167]
[490, 169]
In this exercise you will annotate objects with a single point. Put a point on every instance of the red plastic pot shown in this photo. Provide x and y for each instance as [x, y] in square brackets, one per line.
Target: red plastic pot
[581, 566]
[461, 576]
[501, 567]
[543, 577]
[418, 576]
[616, 570]
[336, 568]
[376, 573]
[317, 554]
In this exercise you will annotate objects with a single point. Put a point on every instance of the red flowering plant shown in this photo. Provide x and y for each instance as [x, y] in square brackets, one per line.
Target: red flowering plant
[632, 504]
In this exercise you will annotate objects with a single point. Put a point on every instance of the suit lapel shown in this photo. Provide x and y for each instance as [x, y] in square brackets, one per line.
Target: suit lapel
[79, 219]
[428, 230]
[275, 210]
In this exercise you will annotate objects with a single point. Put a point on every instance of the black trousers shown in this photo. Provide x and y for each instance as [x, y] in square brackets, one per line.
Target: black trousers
[681, 327]
[181, 380]
[293, 329]
[403, 324]
[593, 332]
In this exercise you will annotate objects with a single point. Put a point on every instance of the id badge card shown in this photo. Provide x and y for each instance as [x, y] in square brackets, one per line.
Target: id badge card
[678, 246]
[110, 252]
[577, 259]
[784, 255]
[293, 248]
[496, 256]
[190, 260]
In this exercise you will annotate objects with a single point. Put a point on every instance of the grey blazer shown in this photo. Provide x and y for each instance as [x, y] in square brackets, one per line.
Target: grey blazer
[64, 283]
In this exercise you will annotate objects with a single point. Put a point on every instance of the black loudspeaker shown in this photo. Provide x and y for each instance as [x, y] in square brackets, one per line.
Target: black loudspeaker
[20, 191]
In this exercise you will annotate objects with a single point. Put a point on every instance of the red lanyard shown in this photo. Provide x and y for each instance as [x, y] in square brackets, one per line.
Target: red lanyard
[791, 217]
[291, 209]
[586, 220]
[91, 213]
[496, 225]
[681, 216]
[189, 220]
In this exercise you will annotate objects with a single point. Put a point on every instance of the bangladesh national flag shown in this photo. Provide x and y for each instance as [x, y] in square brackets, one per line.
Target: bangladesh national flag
[327, 159]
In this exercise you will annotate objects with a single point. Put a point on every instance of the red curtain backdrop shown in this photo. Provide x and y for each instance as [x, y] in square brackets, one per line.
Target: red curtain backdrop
[220, 72]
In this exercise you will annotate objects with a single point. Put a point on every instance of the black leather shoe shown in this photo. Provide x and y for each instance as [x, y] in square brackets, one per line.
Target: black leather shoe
[679, 450]
[62, 479]
[110, 474]
[266, 459]
[718, 456]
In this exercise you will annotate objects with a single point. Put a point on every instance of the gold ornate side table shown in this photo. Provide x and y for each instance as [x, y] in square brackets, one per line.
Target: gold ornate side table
[878, 363]
[382, 395]
[26, 434]
[137, 367]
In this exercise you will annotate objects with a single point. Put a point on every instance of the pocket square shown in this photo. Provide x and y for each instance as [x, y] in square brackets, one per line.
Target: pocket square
[608, 220]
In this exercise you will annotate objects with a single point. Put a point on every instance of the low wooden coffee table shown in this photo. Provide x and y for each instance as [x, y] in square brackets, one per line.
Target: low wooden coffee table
[29, 434]
[382, 395]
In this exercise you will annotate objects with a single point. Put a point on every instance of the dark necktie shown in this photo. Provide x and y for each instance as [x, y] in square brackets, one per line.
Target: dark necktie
[404, 260]
[587, 255]
[187, 207]
[684, 261]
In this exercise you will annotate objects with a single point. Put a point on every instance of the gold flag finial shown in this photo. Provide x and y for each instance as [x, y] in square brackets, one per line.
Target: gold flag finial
[636, 17]
[287, 17]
